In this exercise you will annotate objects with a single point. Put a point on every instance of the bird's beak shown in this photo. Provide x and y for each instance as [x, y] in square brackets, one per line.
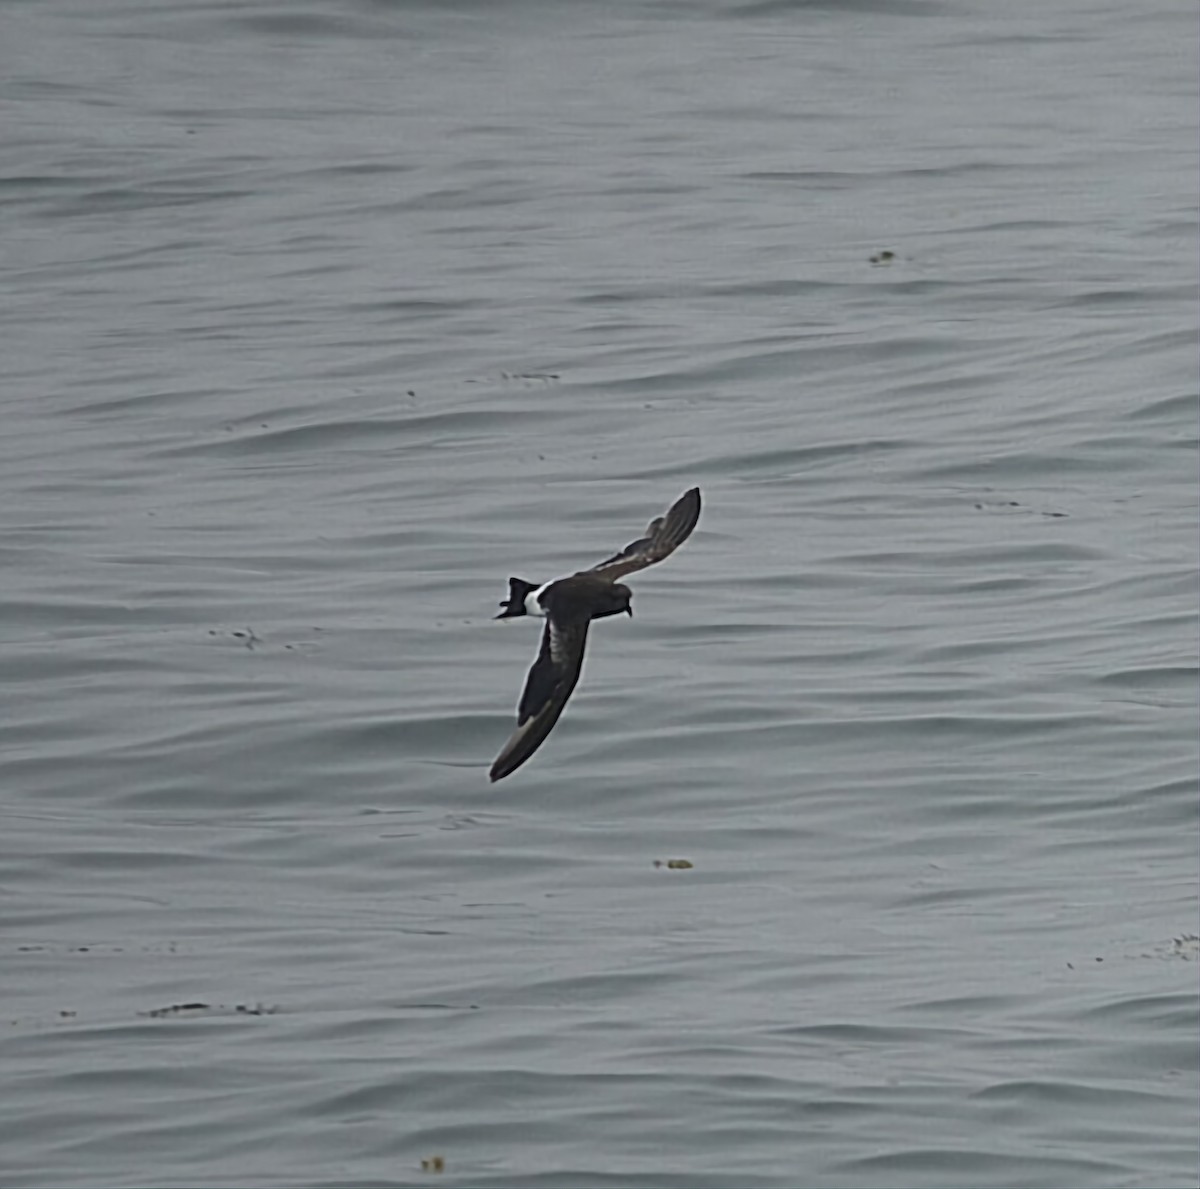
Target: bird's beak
[629, 610]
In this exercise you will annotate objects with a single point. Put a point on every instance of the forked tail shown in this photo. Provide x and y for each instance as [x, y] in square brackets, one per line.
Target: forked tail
[518, 591]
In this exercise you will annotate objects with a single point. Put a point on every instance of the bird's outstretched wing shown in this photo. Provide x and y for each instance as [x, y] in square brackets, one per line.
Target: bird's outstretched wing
[663, 536]
[547, 688]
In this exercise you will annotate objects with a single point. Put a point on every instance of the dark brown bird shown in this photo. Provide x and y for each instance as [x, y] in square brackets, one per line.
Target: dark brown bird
[569, 605]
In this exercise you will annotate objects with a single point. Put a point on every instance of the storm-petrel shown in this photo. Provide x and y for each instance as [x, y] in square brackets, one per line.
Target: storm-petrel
[569, 605]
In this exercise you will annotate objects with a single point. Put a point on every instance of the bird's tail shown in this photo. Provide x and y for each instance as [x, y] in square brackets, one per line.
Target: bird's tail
[518, 591]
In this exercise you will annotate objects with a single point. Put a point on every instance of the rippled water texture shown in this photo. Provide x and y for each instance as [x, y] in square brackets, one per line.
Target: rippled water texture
[322, 319]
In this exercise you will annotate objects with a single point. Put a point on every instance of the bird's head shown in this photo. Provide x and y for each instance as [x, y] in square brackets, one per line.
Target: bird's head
[619, 601]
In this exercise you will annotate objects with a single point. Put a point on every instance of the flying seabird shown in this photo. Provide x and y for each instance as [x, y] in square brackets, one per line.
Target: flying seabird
[568, 606]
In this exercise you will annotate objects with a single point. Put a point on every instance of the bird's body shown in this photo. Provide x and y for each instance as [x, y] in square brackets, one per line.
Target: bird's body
[569, 605]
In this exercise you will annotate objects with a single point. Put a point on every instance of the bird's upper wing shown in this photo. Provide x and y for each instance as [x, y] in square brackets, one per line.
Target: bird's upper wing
[663, 536]
[547, 688]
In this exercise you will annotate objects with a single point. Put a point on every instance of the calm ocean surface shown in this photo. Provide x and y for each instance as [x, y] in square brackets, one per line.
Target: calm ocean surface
[321, 319]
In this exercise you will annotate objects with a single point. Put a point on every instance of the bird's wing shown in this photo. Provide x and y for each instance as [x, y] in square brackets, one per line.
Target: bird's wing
[663, 536]
[547, 688]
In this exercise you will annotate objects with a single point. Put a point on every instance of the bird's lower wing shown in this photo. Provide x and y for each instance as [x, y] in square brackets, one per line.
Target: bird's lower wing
[553, 676]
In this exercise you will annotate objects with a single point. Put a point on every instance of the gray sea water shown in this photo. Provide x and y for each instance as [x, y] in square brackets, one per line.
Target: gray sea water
[320, 320]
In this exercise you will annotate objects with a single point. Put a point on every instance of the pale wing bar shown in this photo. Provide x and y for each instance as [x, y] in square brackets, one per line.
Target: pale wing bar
[663, 536]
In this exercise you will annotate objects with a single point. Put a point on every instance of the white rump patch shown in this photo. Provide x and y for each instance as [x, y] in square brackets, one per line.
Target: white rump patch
[532, 606]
